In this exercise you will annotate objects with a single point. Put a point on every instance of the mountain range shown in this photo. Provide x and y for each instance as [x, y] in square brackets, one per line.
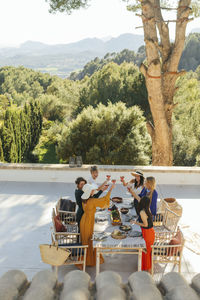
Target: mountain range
[62, 59]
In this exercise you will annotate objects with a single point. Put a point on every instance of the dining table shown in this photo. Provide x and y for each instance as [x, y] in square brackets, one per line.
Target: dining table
[104, 243]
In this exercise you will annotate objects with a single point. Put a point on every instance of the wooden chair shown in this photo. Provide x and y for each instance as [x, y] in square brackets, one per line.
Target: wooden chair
[166, 220]
[78, 252]
[68, 217]
[162, 252]
[70, 227]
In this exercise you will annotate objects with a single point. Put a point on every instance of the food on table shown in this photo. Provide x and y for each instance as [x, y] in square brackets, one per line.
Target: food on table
[115, 217]
[113, 207]
[117, 199]
[125, 227]
[124, 210]
[117, 234]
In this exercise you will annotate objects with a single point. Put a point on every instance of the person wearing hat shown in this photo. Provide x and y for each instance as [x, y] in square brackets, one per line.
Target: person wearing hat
[138, 183]
[80, 182]
[89, 204]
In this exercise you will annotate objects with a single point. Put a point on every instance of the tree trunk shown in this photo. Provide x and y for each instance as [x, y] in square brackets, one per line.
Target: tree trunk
[161, 74]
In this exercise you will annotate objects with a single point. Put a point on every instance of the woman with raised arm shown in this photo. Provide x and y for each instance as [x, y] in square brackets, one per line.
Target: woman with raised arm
[145, 221]
[87, 221]
[80, 182]
[137, 184]
[149, 191]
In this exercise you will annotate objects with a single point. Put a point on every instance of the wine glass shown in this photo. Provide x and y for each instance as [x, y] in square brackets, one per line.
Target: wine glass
[108, 177]
[121, 178]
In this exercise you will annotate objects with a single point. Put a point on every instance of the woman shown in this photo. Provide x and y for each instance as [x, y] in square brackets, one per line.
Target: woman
[88, 218]
[145, 221]
[149, 191]
[80, 182]
[138, 185]
[92, 180]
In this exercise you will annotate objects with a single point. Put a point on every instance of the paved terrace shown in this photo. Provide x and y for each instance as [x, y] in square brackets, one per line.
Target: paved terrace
[28, 193]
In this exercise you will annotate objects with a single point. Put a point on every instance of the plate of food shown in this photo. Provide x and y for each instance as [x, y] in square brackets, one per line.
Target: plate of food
[115, 217]
[117, 200]
[124, 210]
[118, 235]
[125, 227]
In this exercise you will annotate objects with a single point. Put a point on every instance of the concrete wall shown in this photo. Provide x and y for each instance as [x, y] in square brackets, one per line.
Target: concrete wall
[63, 173]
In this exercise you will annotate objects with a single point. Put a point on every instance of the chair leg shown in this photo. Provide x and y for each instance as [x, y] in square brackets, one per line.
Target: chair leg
[84, 262]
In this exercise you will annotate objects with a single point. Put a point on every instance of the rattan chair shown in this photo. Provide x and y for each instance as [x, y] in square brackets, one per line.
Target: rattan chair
[77, 251]
[70, 229]
[167, 220]
[164, 253]
[67, 217]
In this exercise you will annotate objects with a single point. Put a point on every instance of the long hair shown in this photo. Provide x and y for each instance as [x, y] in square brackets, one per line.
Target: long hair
[144, 204]
[136, 185]
[152, 182]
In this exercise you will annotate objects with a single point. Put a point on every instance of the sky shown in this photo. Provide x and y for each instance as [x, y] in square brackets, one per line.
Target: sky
[22, 20]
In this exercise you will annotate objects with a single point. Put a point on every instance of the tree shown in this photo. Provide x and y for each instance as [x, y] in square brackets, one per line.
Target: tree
[110, 134]
[186, 121]
[115, 83]
[161, 70]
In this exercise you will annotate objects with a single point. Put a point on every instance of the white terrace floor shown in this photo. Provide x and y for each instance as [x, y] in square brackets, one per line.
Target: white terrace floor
[25, 222]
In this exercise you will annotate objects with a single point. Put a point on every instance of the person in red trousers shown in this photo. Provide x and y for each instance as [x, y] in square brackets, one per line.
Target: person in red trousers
[145, 220]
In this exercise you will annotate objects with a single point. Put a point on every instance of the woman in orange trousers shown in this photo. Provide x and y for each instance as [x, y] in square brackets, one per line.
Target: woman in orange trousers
[88, 218]
[146, 222]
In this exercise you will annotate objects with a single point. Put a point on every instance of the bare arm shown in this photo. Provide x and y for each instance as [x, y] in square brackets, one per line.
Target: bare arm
[134, 194]
[144, 220]
[126, 183]
[102, 186]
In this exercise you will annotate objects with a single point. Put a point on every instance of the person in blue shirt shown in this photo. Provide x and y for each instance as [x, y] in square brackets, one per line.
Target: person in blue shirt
[149, 191]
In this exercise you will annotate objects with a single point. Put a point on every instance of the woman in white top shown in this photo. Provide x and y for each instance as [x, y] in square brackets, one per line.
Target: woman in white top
[92, 180]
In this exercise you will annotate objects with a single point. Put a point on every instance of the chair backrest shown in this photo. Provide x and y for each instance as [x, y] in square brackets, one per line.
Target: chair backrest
[171, 220]
[67, 205]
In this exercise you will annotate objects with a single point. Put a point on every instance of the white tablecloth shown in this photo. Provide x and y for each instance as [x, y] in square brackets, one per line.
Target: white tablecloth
[109, 242]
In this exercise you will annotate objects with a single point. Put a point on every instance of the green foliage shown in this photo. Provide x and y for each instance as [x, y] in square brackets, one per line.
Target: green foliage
[66, 5]
[115, 83]
[22, 83]
[118, 58]
[1, 152]
[132, 5]
[20, 132]
[110, 134]
[46, 148]
[190, 58]
[57, 97]
[186, 121]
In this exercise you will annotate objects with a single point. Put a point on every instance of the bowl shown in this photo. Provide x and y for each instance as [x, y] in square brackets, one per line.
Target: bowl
[117, 199]
[124, 210]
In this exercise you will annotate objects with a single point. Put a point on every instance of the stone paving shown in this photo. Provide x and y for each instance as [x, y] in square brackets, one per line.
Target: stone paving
[25, 222]
[78, 285]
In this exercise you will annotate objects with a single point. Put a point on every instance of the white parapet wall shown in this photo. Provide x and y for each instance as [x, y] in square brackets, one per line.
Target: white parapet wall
[63, 173]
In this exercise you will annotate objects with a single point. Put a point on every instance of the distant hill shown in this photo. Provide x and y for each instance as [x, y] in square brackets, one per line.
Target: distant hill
[62, 59]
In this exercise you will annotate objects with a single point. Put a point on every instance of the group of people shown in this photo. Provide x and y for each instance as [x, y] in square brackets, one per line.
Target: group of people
[145, 201]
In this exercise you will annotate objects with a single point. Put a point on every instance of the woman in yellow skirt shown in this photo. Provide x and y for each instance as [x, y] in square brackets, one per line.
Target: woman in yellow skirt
[87, 222]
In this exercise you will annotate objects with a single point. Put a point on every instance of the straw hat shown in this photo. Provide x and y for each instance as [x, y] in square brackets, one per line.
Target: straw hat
[138, 172]
[87, 189]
